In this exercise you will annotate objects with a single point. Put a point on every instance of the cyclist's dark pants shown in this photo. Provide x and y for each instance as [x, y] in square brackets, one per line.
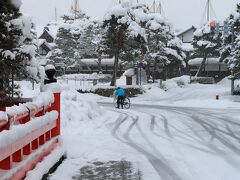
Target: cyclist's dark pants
[120, 101]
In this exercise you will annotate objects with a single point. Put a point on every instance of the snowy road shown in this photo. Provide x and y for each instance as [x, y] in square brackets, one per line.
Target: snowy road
[183, 143]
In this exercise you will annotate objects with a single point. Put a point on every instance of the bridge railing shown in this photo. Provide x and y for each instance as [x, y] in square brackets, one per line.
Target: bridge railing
[26, 128]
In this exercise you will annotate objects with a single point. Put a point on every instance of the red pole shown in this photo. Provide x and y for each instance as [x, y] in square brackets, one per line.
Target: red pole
[56, 106]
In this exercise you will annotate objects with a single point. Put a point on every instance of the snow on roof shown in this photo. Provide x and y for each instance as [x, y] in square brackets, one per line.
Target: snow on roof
[186, 30]
[53, 30]
[39, 30]
[129, 72]
[198, 61]
[95, 61]
[43, 41]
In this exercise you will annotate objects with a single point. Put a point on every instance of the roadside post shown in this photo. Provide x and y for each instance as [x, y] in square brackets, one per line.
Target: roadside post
[51, 83]
[140, 66]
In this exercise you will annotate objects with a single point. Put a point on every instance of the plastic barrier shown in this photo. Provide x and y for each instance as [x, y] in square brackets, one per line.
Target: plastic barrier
[28, 133]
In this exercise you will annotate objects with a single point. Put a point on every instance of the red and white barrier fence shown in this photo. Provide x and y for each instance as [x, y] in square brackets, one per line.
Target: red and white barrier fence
[28, 133]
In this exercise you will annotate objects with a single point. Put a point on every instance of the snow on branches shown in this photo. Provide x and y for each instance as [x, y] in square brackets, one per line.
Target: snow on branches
[230, 52]
[125, 14]
[18, 41]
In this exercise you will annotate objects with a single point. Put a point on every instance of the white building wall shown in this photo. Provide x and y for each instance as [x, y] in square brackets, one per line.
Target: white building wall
[187, 37]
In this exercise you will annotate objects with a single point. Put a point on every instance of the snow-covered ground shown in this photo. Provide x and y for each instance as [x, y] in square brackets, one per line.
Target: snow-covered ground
[182, 133]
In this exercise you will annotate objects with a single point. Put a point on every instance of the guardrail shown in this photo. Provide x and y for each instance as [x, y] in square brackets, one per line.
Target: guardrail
[28, 133]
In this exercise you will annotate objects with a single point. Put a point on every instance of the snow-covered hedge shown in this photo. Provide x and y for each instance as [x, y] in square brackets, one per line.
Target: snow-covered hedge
[108, 92]
[203, 80]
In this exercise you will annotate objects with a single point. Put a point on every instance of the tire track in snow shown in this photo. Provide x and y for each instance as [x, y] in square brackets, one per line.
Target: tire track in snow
[209, 131]
[162, 168]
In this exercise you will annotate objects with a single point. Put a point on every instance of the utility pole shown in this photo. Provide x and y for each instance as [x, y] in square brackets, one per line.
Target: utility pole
[75, 8]
[160, 8]
[154, 6]
[208, 13]
[208, 10]
[157, 7]
[56, 14]
[232, 81]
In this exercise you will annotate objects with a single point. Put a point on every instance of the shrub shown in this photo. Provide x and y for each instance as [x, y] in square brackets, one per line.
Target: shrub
[203, 80]
[108, 92]
[180, 83]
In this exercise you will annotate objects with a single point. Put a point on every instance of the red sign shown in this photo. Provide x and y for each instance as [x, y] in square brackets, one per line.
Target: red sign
[213, 24]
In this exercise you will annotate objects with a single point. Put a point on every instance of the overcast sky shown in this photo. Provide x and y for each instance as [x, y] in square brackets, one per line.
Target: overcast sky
[182, 13]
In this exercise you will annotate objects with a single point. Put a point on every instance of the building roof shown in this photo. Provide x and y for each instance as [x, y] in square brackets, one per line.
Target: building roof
[183, 32]
[94, 62]
[51, 29]
[44, 43]
[198, 61]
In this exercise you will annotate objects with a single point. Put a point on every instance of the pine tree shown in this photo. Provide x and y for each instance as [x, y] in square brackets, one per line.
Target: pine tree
[122, 33]
[17, 48]
[206, 44]
[88, 41]
[99, 32]
[230, 52]
[164, 49]
[8, 42]
[67, 48]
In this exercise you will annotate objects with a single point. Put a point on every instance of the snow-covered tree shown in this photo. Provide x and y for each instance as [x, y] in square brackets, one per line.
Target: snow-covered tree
[163, 47]
[206, 44]
[122, 33]
[90, 39]
[230, 52]
[17, 45]
[67, 48]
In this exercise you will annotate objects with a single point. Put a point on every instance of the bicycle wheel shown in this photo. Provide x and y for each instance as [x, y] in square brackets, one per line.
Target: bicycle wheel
[127, 103]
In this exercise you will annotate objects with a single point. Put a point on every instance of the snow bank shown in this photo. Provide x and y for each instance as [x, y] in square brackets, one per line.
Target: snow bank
[178, 82]
[77, 108]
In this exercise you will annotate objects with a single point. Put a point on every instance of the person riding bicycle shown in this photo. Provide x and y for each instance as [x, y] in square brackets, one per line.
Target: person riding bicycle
[120, 93]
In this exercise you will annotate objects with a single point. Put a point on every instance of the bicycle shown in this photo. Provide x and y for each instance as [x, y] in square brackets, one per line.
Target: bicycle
[126, 102]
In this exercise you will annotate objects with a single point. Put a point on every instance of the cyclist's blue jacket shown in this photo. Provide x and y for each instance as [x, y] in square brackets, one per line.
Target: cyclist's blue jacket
[120, 92]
